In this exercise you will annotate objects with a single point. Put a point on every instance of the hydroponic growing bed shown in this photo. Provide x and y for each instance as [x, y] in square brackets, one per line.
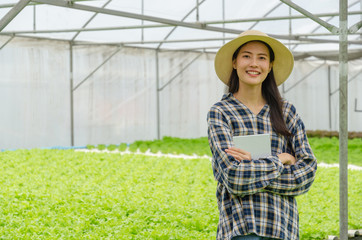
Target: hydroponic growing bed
[65, 194]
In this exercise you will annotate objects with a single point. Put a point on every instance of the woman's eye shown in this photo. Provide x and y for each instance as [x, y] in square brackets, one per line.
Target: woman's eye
[246, 56]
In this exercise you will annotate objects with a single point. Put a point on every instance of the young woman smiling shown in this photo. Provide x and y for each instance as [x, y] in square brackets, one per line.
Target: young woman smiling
[256, 197]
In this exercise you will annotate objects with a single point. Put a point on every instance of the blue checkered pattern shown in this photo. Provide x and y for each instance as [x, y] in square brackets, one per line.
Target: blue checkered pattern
[258, 196]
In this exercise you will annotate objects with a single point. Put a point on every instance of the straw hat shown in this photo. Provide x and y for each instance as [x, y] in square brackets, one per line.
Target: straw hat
[283, 62]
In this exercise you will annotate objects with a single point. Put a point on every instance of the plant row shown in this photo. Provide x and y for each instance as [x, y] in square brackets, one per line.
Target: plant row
[64, 194]
[331, 134]
[172, 145]
[325, 149]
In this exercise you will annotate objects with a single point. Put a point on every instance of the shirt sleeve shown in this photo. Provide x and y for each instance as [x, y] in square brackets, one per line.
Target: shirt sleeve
[239, 177]
[298, 178]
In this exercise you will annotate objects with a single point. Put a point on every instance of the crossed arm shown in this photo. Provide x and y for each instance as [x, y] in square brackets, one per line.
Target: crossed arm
[240, 154]
[282, 174]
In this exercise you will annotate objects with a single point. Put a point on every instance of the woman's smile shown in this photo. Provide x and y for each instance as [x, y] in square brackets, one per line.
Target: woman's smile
[253, 73]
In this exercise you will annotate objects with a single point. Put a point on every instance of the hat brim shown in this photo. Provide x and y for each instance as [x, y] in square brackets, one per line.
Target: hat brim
[282, 66]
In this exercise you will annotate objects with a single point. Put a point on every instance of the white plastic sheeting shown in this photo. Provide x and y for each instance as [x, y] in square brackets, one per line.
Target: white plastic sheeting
[118, 102]
[146, 23]
[115, 95]
[34, 94]
[313, 88]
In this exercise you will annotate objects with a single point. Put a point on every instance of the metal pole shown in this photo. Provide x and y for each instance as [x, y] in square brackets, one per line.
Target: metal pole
[34, 17]
[71, 94]
[137, 16]
[97, 68]
[89, 20]
[355, 106]
[343, 121]
[313, 17]
[223, 18]
[305, 77]
[289, 41]
[329, 99]
[4, 21]
[360, 5]
[158, 97]
[183, 19]
[197, 11]
[142, 21]
[266, 14]
[180, 72]
[2, 46]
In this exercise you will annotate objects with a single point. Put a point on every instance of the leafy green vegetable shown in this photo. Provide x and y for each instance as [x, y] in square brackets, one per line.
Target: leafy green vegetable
[319, 209]
[101, 147]
[122, 147]
[325, 149]
[89, 146]
[111, 147]
[173, 145]
[62, 194]
[133, 147]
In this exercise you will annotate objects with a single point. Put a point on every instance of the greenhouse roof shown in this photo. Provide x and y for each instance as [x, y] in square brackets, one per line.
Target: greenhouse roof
[183, 25]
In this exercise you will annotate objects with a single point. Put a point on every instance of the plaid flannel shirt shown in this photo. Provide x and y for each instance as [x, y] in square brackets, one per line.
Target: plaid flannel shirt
[258, 196]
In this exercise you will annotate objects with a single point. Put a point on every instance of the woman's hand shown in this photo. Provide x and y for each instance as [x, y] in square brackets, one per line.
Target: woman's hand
[287, 158]
[238, 154]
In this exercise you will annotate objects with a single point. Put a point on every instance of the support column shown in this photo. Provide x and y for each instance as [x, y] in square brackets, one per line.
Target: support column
[329, 99]
[343, 120]
[71, 94]
[158, 117]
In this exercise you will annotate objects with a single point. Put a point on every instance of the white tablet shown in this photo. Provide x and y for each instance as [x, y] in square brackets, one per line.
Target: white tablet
[258, 145]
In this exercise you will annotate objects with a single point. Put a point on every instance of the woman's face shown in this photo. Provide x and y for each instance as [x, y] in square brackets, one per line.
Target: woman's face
[252, 64]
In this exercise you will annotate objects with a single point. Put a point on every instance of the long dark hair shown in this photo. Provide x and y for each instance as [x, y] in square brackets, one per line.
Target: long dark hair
[269, 91]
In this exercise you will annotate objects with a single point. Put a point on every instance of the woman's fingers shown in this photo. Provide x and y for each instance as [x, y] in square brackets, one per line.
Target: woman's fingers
[238, 153]
[239, 150]
[287, 158]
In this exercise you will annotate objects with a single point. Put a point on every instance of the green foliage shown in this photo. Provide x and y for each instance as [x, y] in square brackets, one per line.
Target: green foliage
[62, 194]
[143, 147]
[173, 145]
[327, 150]
[90, 147]
[111, 147]
[319, 209]
[133, 147]
[329, 134]
[122, 147]
[101, 147]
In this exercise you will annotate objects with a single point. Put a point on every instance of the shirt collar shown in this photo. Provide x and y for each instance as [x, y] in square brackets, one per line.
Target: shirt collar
[230, 97]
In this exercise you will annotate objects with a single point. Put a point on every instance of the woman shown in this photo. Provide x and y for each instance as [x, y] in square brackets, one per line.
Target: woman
[256, 197]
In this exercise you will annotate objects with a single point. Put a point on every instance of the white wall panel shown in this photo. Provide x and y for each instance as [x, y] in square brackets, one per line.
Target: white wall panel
[118, 102]
[34, 94]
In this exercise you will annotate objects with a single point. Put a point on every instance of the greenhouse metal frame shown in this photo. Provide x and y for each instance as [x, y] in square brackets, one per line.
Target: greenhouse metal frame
[340, 35]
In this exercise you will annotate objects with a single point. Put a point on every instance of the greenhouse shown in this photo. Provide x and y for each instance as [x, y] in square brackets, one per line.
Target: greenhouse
[78, 73]
[91, 72]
